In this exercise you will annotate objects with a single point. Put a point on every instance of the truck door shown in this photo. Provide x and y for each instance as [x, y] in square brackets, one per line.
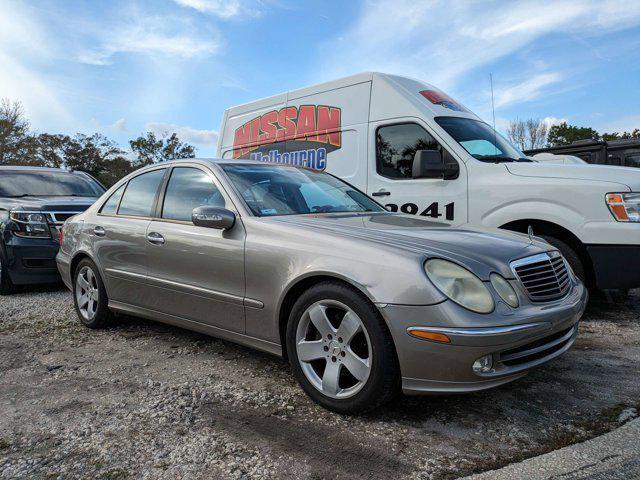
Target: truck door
[392, 146]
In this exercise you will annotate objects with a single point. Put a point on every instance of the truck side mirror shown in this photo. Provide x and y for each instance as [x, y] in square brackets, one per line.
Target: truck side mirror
[213, 217]
[428, 164]
[431, 164]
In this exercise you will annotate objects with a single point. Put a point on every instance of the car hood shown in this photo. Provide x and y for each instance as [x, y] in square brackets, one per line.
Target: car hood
[625, 176]
[479, 249]
[54, 204]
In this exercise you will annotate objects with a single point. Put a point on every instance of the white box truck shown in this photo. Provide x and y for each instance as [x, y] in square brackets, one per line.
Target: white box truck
[420, 152]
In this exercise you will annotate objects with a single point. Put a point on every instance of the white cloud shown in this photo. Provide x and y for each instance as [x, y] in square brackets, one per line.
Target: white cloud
[440, 42]
[24, 45]
[151, 36]
[526, 90]
[186, 134]
[551, 121]
[224, 9]
[119, 125]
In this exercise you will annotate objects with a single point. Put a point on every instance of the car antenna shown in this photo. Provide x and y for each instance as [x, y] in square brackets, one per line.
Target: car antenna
[493, 111]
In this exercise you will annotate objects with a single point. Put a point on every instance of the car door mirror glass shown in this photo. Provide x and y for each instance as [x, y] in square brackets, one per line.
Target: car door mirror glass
[213, 217]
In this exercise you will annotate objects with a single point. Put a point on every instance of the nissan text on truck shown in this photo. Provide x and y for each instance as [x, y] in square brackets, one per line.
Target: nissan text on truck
[420, 152]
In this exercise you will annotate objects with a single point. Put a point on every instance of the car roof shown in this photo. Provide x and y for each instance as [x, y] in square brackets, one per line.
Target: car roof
[22, 168]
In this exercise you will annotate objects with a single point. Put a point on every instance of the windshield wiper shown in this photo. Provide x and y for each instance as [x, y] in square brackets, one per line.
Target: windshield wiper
[495, 158]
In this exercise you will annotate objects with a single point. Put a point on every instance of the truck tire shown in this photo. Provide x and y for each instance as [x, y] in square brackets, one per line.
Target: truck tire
[353, 374]
[570, 255]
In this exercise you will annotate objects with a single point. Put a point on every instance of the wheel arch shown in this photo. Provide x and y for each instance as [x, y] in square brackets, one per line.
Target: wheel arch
[296, 288]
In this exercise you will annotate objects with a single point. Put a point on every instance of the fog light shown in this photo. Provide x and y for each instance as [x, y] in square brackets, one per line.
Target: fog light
[483, 364]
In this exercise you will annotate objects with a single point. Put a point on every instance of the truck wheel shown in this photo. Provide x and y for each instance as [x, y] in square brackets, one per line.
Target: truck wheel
[6, 285]
[89, 296]
[570, 255]
[340, 349]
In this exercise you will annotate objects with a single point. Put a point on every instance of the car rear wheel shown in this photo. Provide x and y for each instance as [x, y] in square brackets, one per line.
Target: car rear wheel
[90, 296]
[6, 285]
[340, 349]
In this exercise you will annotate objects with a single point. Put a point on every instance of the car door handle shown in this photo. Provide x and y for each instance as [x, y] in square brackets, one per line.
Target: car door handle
[99, 231]
[381, 193]
[155, 238]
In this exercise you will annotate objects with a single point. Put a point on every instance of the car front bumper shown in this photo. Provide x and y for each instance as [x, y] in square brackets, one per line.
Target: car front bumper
[517, 340]
[31, 260]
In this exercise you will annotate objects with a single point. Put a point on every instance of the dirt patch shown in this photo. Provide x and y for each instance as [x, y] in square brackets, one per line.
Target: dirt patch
[142, 399]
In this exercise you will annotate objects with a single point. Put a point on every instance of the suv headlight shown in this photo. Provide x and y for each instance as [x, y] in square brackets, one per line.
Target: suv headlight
[30, 224]
[460, 285]
[625, 207]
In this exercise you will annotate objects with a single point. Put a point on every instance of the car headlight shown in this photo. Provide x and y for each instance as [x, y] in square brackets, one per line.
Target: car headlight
[504, 289]
[460, 285]
[30, 224]
[625, 207]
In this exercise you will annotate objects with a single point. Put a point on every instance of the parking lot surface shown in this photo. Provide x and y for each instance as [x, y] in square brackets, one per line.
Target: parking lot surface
[145, 400]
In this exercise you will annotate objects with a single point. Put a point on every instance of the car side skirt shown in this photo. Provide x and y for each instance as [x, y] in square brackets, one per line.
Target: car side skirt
[258, 344]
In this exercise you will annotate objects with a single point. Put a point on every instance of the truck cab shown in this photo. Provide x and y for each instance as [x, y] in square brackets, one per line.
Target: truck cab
[420, 152]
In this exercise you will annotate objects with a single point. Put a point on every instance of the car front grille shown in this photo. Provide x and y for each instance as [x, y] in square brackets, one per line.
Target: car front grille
[545, 276]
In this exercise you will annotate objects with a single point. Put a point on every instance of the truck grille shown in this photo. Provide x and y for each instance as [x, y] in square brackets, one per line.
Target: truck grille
[544, 276]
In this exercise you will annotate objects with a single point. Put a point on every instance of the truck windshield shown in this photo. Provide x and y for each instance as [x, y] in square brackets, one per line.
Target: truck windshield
[480, 140]
[14, 183]
[272, 190]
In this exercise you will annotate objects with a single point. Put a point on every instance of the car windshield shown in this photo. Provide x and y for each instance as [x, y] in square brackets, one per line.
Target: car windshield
[480, 140]
[47, 184]
[282, 190]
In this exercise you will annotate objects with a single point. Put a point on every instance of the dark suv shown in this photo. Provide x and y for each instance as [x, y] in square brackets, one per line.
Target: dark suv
[34, 203]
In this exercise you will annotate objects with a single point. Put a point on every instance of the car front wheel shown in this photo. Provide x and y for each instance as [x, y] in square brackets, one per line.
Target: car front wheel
[340, 349]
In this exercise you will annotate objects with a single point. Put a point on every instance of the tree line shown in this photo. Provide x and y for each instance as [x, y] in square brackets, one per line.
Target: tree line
[534, 133]
[95, 154]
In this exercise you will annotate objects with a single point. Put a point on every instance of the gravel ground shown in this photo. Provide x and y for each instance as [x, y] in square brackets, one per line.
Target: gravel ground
[145, 400]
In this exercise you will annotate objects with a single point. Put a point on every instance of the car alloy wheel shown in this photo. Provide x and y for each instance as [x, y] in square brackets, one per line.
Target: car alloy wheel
[333, 349]
[87, 293]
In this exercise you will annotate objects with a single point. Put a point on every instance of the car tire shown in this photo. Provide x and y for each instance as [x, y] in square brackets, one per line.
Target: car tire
[6, 285]
[570, 255]
[361, 369]
[89, 296]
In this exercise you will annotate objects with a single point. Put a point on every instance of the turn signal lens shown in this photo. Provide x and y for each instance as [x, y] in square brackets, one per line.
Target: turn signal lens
[433, 336]
[625, 207]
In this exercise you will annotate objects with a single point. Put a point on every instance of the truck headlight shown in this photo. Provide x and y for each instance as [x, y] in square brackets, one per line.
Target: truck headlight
[460, 285]
[625, 207]
[30, 224]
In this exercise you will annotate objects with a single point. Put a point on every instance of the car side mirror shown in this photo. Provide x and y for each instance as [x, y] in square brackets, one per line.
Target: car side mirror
[431, 164]
[213, 217]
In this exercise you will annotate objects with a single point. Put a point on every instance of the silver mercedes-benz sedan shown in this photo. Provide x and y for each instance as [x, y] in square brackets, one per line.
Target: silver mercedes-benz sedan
[362, 302]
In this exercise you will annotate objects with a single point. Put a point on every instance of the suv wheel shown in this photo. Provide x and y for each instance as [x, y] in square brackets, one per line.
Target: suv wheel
[571, 256]
[340, 349]
[90, 296]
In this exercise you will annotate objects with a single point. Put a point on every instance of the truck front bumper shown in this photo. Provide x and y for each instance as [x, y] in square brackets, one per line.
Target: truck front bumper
[31, 260]
[515, 339]
[616, 267]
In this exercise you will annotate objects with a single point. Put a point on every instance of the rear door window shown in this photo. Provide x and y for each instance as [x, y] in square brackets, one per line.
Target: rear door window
[140, 194]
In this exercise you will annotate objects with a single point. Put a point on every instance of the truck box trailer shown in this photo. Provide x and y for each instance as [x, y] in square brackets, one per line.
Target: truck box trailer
[420, 152]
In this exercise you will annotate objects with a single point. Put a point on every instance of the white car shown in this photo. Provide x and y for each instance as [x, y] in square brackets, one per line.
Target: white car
[421, 152]
[560, 159]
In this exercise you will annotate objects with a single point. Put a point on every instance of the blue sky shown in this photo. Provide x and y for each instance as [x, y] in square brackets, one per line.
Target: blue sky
[124, 67]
